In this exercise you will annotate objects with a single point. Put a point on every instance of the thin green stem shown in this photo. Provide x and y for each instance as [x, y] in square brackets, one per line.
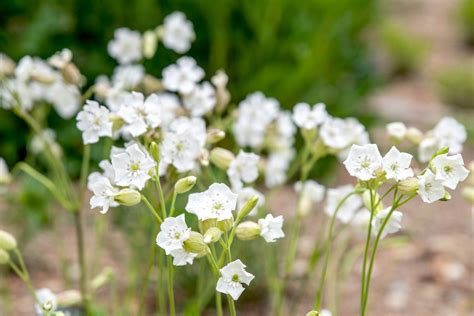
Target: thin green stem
[366, 249]
[82, 260]
[231, 303]
[171, 287]
[160, 193]
[173, 202]
[152, 209]
[218, 304]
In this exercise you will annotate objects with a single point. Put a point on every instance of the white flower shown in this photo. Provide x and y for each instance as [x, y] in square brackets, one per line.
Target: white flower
[104, 193]
[46, 137]
[271, 227]
[201, 100]
[94, 122]
[126, 47]
[397, 130]
[14, 92]
[310, 189]
[449, 170]
[232, 277]
[65, 98]
[61, 58]
[450, 133]
[132, 167]
[277, 166]
[363, 161]
[217, 202]
[246, 193]
[33, 68]
[173, 233]
[181, 257]
[361, 220]
[178, 32]
[182, 76]
[430, 189]
[127, 76]
[348, 208]
[307, 117]
[393, 225]
[46, 302]
[427, 148]
[5, 176]
[167, 107]
[140, 114]
[397, 165]
[338, 134]
[325, 312]
[244, 168]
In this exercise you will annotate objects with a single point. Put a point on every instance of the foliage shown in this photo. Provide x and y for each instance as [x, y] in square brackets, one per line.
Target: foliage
[456, 86]
[466, 19]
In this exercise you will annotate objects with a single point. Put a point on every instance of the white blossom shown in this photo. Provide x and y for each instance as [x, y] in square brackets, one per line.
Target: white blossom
[133, 167]
[126, 47]
[217, 202]
[397, 165]
[5, 176]
[167, 107]
[271, 227]
[338, 134]
[450, 133]
[393, 224]
[61, 58]
[427, 148]
[449, 170]
[308, 118]
[277, 167]
[244, 168]
[310, 189]
[127, 76]
[16, 93]
[173, 232]
[104, 193]
[94, 122]
[46, 302]
[65, 98]
[396, 130]
[181, 257]
[233, 275]
[363, 161]
[348, 208]
[140, 114]
[178, 32]
[182, 76]
[33, 68]
[200, 100]
[430, 189]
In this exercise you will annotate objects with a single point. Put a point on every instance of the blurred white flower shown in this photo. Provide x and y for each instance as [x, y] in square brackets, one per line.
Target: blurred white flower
[182, 76]
[94, 122]
[46, 302]
[397, 165]
[173, 233]
[449, 170]
[233, 275]
[14, 92]
[178, 32]
[311, 189]
[61, 58]
[5, 176]
[396, 130]
[363, 161]
[243, 169]
[104, 193]
[271, 228]
[217, 202]
[348, 208]
[427, 148]
[277, 167]
[33, 68]
[393, 224]
[450, 133]
[133, 166]
[128, 76]
[126, 47]
[338, 134]
[308, 118]
[200, 100]
[167, 107]
[65, 98]
[140, 114]
[430, 189]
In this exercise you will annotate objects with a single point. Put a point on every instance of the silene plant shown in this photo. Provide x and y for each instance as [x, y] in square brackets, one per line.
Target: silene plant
[163, 141]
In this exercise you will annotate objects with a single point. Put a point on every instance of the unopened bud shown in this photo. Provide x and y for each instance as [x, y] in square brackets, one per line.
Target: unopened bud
[221, 157]
[155, 151]
[215, 135]
[69, 298]
[207, 224]
[212, 235]
[7, 241]
[128, 197]
[7, 65]
[468, 194]
[248, 230]
[396, 131]
[248, 207]
[71, 74]
[4, 257]
[226, 224]
[446, 197]
[103, 278]
[366, 198]
[408, 186]
[313, 313]
[151, 84]
[414, 135]
[150, 41]
[185, 184]
[195, 244]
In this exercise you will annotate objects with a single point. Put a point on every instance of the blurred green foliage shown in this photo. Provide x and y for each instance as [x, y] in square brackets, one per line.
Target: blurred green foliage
[466, 20]
[292, 50]
[404, 50]
[456, 86]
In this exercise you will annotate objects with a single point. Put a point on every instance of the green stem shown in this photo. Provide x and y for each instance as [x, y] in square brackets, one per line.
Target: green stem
[366, 249]
[231, 303]
[170, 287]
[218, 304]
[160, 193]
[82, 260]
[84, 169]
[152, 209]
[173, 202]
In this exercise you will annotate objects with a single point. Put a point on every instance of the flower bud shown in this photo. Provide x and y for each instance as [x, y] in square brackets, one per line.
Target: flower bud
[4, 257]
[304, 206]
[128, 197]
[376, 200]
[7, 241]
[71, 74]
[155, 151]
[313, 313]
[7, 65]
[68, 298]
[225, 225]
[408, 186]
[446, 197]
[468, 194]
[212, 235]
[221, 157]
[414, 135]
[103, 278]
[185, 184]
[117, 122]
[215, 135]
[247, 230]
[204, 226]
[195, 244]
[151, 84]
[247, 207]
[396, 131]
[442, 151]
[150, 42]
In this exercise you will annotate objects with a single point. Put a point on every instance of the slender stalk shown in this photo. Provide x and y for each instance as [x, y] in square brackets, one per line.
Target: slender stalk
[152, 209]
[159, 288]
[173, 202]
[218, 304]
[231, 303]
[170, 287]
[160, 193]
[151, 257]
[82, 260]
[366, 249]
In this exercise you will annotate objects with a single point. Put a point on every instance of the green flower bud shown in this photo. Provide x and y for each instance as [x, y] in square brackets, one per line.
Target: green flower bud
[117, 122]
[185, 184]
[128, 197]
[221, 157]
[414, 135]
[150, 42]
[204, 226]
[7, 241]
[248, 230]
[215, 135]
[155, 151]
[468, 194]
[225, 225]
[442, 151]
[446, 197]
[195, 244]
[103, 278]
[248, 207]
[4, 257]
[69, 298]
[376, 199]
[212, 235]
[408, 186]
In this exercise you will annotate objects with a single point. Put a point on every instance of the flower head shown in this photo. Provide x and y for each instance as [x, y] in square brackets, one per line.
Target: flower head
[182, 76]
[232, 277]
[94, 122]
[140, 114]
[173, 233]
[46, 302]
[363, 161]
[430, 189]
[104, 193]
[450, 133]
[397, 165]
[449, 170]
[244, 168]
[217, 202]
[271, 228]
[396, 130]
[126, 46]
[200, 100]
[178, 32]
[132, 166]
[307, 117]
